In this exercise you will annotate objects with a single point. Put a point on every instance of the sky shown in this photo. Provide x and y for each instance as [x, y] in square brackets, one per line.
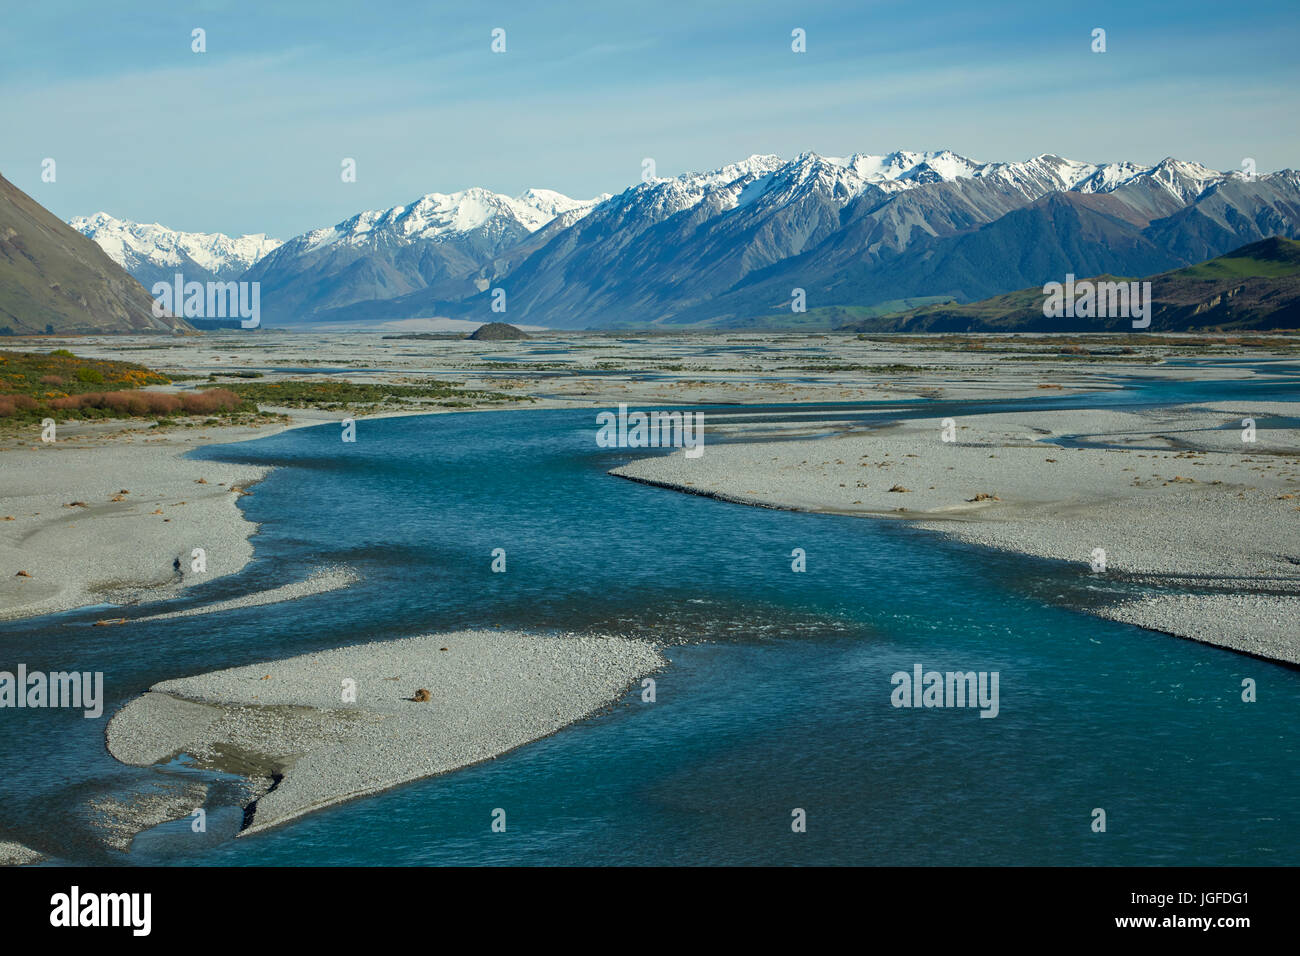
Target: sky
[250, 136]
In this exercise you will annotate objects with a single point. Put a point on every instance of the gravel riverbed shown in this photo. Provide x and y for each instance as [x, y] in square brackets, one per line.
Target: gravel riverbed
[297, 722]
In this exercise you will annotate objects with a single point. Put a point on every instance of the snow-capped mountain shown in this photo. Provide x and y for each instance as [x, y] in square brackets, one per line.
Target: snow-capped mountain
[724, 244]
[769, 181]
[904, 169]
[477, 215]
[152, 252]
[727, 244]
[900, 170]
[549, 204]
[379, 254]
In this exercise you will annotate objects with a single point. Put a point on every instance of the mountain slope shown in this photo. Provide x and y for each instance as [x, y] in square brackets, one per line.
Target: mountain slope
[53, 277]
[1138, 228]
[1254, 287]
[154, 253]
[377, 255]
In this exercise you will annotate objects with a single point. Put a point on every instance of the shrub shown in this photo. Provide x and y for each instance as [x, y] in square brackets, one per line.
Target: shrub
[145, 403]
[11, 405]
[91, 376]
[209, 401]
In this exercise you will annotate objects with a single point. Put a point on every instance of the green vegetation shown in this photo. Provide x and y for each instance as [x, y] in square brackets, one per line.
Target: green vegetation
[39, 385]
[1268, 259]
[1113, 346]
[331, 396]
[897, 368]
[1256, 287]
[59, 385]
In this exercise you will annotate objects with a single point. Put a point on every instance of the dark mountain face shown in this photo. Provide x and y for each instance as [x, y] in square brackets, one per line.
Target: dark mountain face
[1256, 287]
[1058, 234]
[1229, 215]
[298, 280]
[1128, 232]
[52, 277]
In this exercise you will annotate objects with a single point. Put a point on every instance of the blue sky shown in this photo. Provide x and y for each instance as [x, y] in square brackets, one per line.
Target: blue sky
[249, 136]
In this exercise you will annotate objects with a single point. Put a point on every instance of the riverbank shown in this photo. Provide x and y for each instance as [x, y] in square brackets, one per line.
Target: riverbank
[1174, 497]
[112, 512]
[15, 854]
[114, 517]
[323, 728]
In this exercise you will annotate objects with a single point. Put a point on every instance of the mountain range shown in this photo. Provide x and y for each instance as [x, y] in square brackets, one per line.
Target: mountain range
[436, 242]
[153, 253]
[728, 247]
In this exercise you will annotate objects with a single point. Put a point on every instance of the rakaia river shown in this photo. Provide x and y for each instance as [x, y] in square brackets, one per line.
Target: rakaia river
[777, 697]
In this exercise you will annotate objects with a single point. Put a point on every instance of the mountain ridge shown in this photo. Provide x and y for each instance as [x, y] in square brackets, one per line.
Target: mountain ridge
[53, 279]
[153, 252]
[722, 247]
[729, 245]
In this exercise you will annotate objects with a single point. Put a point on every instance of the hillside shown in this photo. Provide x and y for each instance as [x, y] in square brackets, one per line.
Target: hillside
[1255, 287]
[497, 332]
[54, 279]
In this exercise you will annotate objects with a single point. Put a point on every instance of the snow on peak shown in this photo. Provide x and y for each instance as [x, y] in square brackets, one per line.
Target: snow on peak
[908, 166]
[550, 203]
[1184, 180]
[439, 216]
[131, 243]
[772, 180]
[768, 178]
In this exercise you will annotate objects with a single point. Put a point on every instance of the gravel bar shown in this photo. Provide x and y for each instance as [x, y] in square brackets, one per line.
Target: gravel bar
[488, 692]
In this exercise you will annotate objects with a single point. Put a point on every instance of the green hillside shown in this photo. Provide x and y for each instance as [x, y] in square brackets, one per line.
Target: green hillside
[1268, 258]
[1254, 287]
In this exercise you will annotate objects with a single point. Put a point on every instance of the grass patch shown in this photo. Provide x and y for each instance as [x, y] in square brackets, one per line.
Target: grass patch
[59, 385]
[332, 396]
